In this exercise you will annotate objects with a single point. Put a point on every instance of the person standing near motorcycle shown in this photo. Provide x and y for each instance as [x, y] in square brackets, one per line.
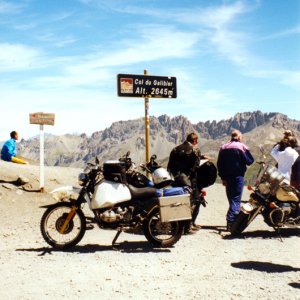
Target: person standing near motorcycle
[233, 159]
[183, 161]
[285, 154]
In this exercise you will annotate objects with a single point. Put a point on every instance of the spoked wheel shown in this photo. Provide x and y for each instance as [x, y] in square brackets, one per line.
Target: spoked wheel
[243, 220]
[57, 232]
[161, 234]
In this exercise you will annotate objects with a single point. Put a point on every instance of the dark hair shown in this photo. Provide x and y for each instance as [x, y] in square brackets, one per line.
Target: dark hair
[288, 133]
[192, 137]
[293, 141]
[289, 141]
[13, 134]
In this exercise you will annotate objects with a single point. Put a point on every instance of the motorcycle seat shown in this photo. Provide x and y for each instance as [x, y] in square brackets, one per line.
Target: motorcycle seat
[143, 192]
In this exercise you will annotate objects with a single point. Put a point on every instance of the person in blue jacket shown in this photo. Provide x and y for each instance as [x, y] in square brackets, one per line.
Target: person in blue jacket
[8, 152]
[233, 159]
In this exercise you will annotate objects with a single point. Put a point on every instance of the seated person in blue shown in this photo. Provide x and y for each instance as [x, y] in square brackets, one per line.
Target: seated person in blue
[8, 152]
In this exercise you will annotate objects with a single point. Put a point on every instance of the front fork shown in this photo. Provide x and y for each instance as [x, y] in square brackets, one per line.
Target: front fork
[68, 219]
[74, 208]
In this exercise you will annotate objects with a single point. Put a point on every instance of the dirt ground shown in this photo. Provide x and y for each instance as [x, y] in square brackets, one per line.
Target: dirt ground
[205, 265]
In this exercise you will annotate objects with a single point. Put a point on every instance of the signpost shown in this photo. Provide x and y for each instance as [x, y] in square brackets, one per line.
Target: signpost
[147, 87]
[42, 119]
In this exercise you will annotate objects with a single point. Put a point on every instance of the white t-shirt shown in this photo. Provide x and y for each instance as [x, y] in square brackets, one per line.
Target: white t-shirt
[285, 159]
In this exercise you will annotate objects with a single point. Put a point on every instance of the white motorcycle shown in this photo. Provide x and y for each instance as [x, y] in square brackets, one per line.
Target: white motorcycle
[115, 204]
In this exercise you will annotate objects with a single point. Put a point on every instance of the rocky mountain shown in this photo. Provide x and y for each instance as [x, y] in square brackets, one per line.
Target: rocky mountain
[165, 132]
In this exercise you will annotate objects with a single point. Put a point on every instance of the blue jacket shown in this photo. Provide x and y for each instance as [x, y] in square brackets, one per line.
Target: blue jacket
[8, 150]
[233, 159]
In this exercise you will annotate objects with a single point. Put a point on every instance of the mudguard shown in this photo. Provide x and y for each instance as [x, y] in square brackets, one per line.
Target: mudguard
[65, 192]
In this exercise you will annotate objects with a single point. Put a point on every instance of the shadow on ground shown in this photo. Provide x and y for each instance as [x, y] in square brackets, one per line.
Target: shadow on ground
[126, 246]
[295, 285]
[264, 267]
[264, 234]
[19, 184]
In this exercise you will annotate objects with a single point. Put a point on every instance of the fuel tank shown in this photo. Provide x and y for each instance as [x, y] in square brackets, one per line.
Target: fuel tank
[108, 194]
[286, 194]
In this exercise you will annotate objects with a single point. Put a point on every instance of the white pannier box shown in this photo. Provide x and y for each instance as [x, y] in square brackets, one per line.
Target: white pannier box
[175, 208]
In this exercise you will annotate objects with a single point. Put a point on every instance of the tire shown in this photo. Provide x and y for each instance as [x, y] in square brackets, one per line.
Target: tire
[161, 234]
[53, 219]
[242, 221]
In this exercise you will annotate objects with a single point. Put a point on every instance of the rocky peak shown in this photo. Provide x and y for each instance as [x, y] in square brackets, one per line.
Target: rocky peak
[165, 133]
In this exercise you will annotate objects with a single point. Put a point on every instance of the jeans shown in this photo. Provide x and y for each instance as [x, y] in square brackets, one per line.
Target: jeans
[234, 191]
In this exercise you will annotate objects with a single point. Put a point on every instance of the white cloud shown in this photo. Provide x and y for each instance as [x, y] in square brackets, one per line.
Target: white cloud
[282, 34]
[55, 40]
[155, 44]
[214, 25]
[82, 87]
[231, 46]
[15, 57]
[76, 110]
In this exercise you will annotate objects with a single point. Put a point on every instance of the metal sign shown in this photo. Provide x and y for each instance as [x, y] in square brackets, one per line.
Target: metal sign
[41, 118]
[146, 86]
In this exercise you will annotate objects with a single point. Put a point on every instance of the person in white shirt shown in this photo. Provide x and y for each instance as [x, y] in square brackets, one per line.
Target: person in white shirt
[285, 155]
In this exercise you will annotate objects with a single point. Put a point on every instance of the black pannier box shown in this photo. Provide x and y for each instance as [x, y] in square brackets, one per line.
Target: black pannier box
[114, 170]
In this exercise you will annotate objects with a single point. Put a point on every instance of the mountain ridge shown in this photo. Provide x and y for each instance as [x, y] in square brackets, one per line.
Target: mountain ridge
[122, 136]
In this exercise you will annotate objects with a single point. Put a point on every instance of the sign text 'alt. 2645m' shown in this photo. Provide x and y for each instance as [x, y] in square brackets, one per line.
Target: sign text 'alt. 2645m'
[146, 86]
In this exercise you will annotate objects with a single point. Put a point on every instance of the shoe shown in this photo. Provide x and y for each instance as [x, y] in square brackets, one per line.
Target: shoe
[190, 232]
[196, 226]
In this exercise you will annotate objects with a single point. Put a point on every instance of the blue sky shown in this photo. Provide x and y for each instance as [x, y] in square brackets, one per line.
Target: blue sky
[63, 56]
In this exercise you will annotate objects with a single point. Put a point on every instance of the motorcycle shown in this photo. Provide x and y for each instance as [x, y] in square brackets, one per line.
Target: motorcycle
[273, 198]
[205, 174]
[115, 204]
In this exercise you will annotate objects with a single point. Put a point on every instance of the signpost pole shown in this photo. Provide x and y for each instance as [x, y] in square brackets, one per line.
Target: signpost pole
[147, 126]
[42, 172]
[42, 119]
[147, 87]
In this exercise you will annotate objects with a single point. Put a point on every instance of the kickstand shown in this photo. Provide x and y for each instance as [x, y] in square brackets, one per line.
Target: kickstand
[279, 234]
[115, 238]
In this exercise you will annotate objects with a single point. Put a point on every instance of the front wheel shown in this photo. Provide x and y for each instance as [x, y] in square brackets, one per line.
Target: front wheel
[161, 234]
[242, 221]
[56, 231]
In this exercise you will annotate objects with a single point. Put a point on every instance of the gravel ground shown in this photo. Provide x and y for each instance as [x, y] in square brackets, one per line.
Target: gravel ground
[205, 265]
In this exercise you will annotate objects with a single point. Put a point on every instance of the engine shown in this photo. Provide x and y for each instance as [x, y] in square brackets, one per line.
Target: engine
[115, 215]
[280, 214]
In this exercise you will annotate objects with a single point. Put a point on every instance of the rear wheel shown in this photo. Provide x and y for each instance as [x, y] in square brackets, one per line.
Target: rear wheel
[53, 221]
[242, 221]
[161, 234]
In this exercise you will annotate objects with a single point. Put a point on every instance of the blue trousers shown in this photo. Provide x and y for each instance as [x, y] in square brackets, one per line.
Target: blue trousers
[234, 191]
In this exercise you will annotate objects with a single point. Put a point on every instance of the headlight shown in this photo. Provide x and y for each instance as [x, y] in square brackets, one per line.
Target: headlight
[82, 178]
[275, 177]
[248, 207]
